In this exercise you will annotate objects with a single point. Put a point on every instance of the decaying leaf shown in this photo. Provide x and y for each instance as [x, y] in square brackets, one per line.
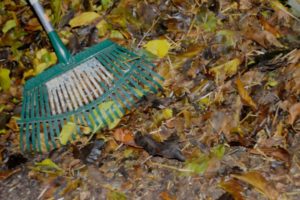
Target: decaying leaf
[233, 187]
[246, 98]
[201, 162]
[294, 113]
[227, 69]
[259, 182]
[124, 136]
[159, 48]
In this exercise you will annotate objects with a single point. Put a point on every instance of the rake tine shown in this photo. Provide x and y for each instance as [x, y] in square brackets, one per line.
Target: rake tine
[94, 78]
[101, 116]
[57, 131]
[56, 101]
[80, 89]
[103, 60]
[94, 119]
[70, 92]
[46, 136]
[89, 83]
[27, 133]
[65, 94]
[77, 127]
[38, 137]
[85, 88]
[52, 134]
[141, 78]
[21, 136]
[62, 101]
[73, 134]
[75, 91]
[33, 136]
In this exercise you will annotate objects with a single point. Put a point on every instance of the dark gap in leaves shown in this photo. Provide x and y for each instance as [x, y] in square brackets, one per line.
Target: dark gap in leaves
[226, 196]
[4, 118]
[89, 153]
[15, 160]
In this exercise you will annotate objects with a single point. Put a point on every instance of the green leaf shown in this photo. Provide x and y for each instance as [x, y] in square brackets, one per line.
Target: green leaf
[66, 132]
[56, 7]
[218, 151]
[106, 3]
[9, 25]
[4, 79]
[116, 34]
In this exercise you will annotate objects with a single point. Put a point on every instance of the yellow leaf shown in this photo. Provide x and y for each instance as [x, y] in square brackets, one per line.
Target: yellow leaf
[244, 94]
[43, 60]
[229, 69]
[167, 113]
[257, 180]
[66, 132]
[159, 48]
[102, 27]
[4, 79]
[46, 165]
[84, 18]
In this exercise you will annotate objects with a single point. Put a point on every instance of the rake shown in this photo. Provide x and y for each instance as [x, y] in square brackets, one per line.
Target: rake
[75, 90]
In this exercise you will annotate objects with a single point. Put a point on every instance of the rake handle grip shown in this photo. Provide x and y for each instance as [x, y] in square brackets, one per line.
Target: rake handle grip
[60, 49]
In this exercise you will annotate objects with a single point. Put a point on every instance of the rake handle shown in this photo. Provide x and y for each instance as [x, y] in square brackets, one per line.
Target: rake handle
[60, 49]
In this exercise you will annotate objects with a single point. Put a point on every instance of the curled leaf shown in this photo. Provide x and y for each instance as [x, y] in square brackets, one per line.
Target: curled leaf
[245, 95]
[259, 182]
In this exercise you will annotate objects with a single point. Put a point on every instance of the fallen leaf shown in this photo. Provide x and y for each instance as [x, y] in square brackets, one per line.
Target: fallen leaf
[4, 79]
[9, 25]
[276, 153]
[159, 48]
[200, 163]
[125, 136]
[166, 196]
[233, 187]
[47, 166]
[65, 135]
[109, 111]
[102, 27]
[294, 112]
[227, 69]
[115, 195]
[8, 173]
[259, 182]
[245, 95]
[84, 18]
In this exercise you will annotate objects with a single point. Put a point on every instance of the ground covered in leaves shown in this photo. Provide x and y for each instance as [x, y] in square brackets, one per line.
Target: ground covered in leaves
[225, 126]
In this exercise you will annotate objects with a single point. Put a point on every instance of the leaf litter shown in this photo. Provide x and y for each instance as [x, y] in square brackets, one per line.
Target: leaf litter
[225, 126]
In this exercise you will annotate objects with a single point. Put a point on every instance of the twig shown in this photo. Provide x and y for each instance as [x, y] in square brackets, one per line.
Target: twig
[171, 167]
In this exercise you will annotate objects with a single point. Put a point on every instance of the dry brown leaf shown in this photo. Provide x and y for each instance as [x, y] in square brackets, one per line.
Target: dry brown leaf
[268, 27]
[276, 153]
[8, 173]
[259, 182]
[233, 187]
[125, 136]
[245, 95]
[166, 196]
[294, 113]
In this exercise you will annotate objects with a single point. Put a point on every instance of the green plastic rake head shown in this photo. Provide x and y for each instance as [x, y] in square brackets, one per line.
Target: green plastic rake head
[75, 89]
